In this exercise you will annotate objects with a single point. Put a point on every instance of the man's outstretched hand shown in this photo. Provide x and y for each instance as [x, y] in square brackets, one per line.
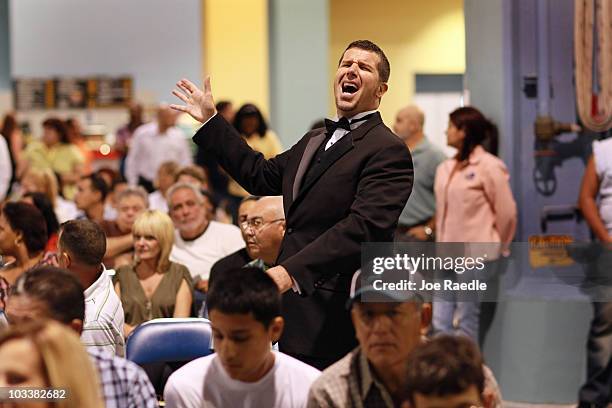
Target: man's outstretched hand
[199, 104]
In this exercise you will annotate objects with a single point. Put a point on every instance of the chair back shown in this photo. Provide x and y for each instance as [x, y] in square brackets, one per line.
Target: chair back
[169, 340]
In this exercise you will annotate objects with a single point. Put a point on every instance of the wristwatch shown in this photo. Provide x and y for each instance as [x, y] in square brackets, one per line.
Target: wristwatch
[428, 231]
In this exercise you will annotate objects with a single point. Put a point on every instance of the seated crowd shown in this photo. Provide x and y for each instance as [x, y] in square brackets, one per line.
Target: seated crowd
[89, 255]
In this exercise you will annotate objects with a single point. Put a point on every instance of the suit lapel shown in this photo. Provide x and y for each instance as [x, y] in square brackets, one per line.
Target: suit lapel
[330, 157]
[313, 145]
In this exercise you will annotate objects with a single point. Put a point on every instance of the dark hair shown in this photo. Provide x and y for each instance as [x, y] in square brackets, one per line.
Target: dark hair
[59, 126]
[195, 171]
[98, 184]
[384, 68]
[222, 105]
[250, 198]
[28, 220]
[57, 288]
[250, 110]
[445, 365]
[41, 201]
[84, 240]
[478, 131]
[244, 291]
[114, 175]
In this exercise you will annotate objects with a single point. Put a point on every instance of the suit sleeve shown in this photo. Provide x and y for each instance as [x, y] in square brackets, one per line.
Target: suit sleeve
[249, 168]
[384, 186]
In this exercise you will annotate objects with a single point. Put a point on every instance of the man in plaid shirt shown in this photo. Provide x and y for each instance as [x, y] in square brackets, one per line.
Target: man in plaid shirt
[52, 293]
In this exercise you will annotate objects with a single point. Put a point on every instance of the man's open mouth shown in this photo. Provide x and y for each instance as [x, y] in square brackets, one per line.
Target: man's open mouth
[349, 88]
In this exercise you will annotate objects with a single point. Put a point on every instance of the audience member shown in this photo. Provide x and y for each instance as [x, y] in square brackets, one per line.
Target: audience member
[6, 170]
[474, 203]
[245, 317]
[153, 286]
[14, 141]
[40, 201]
[90, 196]
[55, 152]
[198, 242]
[75, 137]
[116, 184]
[153, 144]
[165, 178]
[53, 293]
[243, 256]
[388, 325]
[23, 236]
[195, 175]
[252, 126]
[81, 248]
[265, 228]
[446, 372]
[123, 136]
[46, 354]
[597, 181]
[44, 181]
[417, 221]
[119, 242]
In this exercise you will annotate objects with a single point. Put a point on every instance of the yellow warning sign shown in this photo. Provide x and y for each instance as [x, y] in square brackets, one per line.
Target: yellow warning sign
[549, 250]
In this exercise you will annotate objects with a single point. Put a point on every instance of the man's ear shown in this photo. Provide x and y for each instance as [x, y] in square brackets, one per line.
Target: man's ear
[18, 237]
[276, 328]
[64, 259]
[382, 89]
[76, 325]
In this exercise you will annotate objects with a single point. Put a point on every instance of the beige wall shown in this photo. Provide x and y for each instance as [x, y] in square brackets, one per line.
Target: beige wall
[417, 37]
[235, 50]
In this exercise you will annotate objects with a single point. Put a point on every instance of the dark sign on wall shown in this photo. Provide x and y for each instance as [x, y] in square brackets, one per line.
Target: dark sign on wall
[72, 93]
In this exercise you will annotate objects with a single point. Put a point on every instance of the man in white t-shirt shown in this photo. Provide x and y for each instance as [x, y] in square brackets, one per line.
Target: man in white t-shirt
[244, 308]
[198, 242]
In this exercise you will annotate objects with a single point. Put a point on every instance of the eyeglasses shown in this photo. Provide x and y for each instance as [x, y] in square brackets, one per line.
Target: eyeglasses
[257, 223]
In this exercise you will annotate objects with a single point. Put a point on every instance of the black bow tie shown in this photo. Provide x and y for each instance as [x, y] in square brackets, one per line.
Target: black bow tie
[343, 123]
[331, 126]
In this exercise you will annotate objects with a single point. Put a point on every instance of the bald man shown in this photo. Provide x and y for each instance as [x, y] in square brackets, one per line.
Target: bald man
[265, 229]
[416, 223]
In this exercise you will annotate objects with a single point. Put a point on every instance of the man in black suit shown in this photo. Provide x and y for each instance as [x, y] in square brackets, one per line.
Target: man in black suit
[341, 185]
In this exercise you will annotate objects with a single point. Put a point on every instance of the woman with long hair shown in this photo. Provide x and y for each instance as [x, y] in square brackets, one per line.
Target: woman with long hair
[23, 236]
[48, 355]
[40, 201]
[44, 181]
[474, 204]
[153, 286]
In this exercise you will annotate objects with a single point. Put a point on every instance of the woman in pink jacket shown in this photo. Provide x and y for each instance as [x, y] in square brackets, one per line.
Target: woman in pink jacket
[474, 204]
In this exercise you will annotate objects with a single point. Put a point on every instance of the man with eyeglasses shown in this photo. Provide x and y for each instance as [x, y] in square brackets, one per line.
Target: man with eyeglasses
[388, 326]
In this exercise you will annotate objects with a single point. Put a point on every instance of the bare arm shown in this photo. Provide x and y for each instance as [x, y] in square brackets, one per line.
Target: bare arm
[117, 245]
[127, 329]
[182, 307]
[586, 201]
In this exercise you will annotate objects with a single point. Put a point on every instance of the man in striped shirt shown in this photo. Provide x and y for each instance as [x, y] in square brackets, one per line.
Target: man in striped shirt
[81, 247]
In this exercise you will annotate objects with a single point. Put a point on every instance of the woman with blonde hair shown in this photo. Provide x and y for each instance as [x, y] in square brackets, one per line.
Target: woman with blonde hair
[44, 181]
[152, 286]
[48, 355]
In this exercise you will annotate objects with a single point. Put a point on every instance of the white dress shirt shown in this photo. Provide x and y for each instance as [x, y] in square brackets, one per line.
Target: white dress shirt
[339, 133]
[149, 149]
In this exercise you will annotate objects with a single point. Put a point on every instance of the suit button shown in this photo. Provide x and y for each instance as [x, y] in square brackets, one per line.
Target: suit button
[289, 230]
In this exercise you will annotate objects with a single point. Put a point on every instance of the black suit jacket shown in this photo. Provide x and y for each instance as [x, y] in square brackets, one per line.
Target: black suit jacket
[355, 195]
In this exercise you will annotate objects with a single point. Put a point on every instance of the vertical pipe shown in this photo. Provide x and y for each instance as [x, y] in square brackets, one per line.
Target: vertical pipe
[543, 58]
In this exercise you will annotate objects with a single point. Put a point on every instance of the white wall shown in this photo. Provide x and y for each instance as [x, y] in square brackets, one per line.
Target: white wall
[154, 41]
